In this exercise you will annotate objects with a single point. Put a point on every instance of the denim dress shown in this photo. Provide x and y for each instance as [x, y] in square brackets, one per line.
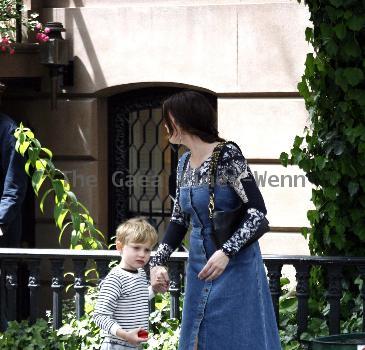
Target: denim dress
[234, 311]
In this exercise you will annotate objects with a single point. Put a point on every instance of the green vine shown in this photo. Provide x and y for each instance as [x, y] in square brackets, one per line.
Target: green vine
[332, 150]
[68, 211]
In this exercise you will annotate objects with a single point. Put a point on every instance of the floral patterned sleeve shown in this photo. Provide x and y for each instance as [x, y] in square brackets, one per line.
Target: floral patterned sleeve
[176, 229]
[238, 174]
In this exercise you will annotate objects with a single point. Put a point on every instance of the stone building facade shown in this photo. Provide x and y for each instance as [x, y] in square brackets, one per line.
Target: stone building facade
[246, 56]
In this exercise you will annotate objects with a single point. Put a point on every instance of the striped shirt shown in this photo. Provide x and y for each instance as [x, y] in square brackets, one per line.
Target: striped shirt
[123, 302]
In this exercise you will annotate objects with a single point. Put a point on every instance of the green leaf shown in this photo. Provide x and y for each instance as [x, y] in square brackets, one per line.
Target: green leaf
[61, 218]
[74, 238]
[76, 221]
[59, 189]
[72, 196]
[284, 158]
[312, 216]
[320, 162]
[356, 23]
[336, 3]
[338, 148]
[22, 137]
[353, 75]
[86, 211]
[348, 14]
[305, 232]
[88, 218]
[58, 174]
[332, 13]
[353, 187]
[40, 164]
[59, 214]
[320, 64]
[27, 166]
[33, 154]
[330, 193]
[298, 141]
[48, 152]
[36, 143]
[340, 79]
[29, 133]
[352, 48]
[309, 34]
[37, 180]
[340, 30]
[331, 47]
[361, 147]
[357, 95]
[339, 240]
[343, 106]
[50, 166]
[303, 88]
[43, 199]
[57, 210]
[63, 230]
[23, 147]
[334, 177]
[309, 64]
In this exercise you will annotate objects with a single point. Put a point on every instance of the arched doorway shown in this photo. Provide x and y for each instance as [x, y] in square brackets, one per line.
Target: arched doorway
[142, 163]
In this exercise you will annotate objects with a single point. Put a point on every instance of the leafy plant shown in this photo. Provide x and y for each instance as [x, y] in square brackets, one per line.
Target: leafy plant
[68, 211]
[11, 12]
[165, 330]
[318, 322]
[20, 335]
[83, 334]
[332, 150]
[73, 335]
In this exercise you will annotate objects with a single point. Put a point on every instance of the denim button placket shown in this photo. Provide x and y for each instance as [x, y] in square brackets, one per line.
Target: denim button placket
[228, 293]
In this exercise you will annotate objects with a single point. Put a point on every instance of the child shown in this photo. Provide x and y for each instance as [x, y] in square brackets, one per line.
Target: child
[122, 307]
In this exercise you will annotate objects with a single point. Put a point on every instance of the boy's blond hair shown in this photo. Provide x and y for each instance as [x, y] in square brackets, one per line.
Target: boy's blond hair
[136, 230]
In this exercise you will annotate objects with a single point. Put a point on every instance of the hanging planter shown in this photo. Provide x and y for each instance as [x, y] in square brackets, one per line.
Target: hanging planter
[19, 59]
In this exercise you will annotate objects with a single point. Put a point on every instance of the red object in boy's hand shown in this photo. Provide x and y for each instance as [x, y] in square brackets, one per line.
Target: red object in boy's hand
[143, 334]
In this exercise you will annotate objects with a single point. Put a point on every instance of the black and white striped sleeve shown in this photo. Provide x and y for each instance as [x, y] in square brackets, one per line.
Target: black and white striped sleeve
[240, 177]
[110, 291]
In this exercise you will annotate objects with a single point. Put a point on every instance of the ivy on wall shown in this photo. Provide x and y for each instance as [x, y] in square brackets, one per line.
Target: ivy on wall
[332, 150]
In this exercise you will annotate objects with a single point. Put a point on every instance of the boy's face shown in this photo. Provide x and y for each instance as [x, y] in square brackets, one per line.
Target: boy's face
[134, 255]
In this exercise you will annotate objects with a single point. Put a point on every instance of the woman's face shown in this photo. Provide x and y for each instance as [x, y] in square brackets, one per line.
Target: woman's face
[176, 134]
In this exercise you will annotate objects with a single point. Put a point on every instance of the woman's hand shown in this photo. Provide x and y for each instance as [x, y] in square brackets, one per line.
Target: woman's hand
[160, 280]
[214, 267]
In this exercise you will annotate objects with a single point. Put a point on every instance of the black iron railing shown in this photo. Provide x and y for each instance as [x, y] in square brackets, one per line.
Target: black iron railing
[11, 258]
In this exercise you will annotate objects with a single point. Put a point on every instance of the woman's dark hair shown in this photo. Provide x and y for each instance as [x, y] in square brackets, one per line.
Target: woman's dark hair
[193, 113]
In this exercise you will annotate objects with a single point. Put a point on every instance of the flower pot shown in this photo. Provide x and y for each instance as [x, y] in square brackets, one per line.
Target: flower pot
[25, 63]
[350, 341]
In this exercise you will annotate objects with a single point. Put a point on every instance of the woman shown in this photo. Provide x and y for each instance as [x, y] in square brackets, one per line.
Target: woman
[227, 302]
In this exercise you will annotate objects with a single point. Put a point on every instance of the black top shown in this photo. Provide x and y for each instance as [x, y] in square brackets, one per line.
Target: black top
[13, 183]
[233, 170]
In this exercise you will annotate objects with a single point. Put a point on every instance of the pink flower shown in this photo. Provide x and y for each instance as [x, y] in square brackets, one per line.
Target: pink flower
[45, 37]
[3, 48]
[5, 41]
[38, 26]
[39, 36]
[12, 51]
[47, 30]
